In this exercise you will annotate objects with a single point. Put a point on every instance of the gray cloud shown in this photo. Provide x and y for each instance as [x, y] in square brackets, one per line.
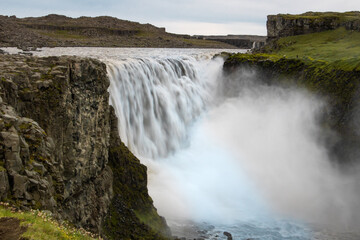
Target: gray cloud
[229, 13]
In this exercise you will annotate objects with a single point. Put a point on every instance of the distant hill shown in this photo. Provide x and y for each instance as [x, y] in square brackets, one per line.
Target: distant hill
[241, 41]
[61, 31]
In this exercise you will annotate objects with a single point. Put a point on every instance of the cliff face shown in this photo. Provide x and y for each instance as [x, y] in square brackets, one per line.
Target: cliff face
[57, 141]
[283, 25]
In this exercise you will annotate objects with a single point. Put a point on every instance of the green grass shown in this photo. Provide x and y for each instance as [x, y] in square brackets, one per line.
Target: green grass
[342, 17]
[42, 227]
[338, 47]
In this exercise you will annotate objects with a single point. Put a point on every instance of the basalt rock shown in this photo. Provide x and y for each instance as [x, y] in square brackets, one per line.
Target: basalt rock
[228, 235]
[57, 141]
[283, 25]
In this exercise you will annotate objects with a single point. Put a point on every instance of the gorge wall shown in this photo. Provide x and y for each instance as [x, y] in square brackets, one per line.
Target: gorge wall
[60, 149]
[283, 25]
[339, 88]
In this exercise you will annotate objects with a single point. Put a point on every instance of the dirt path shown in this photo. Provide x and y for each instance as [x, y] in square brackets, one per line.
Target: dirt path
[10, 229]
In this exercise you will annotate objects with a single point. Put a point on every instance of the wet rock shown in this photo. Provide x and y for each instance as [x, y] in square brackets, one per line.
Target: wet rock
[228, 235]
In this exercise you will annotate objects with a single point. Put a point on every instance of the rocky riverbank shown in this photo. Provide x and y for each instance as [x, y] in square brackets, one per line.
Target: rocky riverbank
[60, 149]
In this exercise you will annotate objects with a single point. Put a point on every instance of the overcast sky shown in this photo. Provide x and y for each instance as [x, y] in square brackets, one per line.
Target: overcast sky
[180, 16]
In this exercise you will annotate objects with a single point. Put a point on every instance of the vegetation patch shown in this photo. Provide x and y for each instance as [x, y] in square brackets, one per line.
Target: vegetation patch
[131, 214]
[41, 226]
[339, 48]
[341, 17]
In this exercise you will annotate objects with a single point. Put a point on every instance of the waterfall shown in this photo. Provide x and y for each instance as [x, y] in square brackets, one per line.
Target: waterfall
[253, 45]
[165, 108]
[239, 154]
[157, 100]
[226, 150]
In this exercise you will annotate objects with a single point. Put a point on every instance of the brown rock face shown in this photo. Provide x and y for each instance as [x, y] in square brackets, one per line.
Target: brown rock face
[55, 141]
[283, 25]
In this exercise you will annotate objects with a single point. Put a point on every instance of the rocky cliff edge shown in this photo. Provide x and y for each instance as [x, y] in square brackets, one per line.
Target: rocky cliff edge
[60, 149]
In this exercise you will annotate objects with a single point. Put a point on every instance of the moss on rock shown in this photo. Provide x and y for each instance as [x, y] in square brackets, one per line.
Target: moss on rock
[131, 214]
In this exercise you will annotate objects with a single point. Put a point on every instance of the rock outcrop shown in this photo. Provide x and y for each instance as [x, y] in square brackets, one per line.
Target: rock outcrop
[283, 25]
[58, 147]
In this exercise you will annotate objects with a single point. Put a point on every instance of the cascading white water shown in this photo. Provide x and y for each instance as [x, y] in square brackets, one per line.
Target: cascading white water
[233, 152]
[227, 151]
[161, 105]
[156, 101]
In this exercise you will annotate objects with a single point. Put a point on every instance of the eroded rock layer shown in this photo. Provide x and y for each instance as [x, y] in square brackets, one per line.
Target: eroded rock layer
[284, 25]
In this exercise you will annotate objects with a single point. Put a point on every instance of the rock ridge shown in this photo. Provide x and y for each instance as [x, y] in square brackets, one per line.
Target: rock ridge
[284, 25]
[60, 31]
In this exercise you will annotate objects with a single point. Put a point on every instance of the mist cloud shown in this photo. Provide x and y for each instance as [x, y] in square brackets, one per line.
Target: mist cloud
[258, 154]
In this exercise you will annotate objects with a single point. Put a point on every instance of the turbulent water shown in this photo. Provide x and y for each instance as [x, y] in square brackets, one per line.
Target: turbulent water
[226, 152]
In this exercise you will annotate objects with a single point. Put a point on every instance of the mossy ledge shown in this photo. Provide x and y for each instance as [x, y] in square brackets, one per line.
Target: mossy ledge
[60, 149]
[338, 86]
[131, 198]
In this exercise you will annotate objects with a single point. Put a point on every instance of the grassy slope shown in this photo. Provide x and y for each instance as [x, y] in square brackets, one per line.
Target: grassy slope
[42, 227]
[342, 17]
[339, 48]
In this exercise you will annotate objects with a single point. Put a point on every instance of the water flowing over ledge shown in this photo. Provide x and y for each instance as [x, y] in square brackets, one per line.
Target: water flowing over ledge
[156, 101]
[232, 151]
[165, 108]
